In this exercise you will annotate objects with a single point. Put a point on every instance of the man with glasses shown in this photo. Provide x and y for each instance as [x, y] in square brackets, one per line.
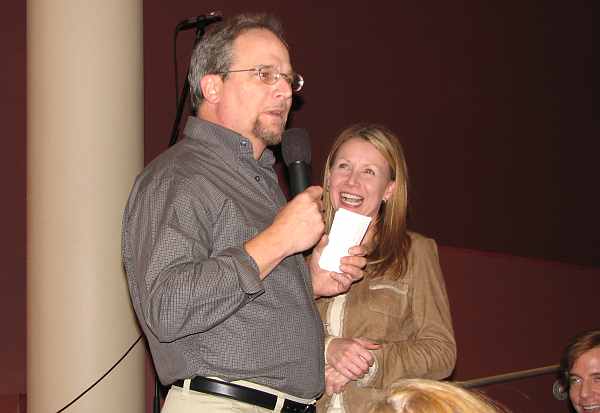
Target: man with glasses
[213, 254]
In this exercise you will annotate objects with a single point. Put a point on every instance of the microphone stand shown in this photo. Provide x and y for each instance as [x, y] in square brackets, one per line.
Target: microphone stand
[201, 25]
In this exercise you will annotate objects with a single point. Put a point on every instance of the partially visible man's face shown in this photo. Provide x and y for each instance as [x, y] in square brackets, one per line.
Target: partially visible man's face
[584, 379]
[249, 106]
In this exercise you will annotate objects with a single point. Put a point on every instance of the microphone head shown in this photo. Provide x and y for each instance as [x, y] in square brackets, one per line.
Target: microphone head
[295, 146]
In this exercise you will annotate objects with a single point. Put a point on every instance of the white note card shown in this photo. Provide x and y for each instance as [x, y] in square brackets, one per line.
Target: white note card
[347, 230]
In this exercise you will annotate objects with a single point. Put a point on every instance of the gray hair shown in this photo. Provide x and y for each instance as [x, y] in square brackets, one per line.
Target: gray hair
[213, 54]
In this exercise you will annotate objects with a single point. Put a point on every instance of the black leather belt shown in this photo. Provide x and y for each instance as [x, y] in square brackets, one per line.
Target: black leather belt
[245, 394]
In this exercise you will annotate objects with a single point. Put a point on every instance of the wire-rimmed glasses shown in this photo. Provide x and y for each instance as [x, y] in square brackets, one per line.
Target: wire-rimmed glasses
[270, 75]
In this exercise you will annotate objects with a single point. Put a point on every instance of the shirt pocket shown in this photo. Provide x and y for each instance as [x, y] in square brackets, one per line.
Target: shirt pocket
[389, 298]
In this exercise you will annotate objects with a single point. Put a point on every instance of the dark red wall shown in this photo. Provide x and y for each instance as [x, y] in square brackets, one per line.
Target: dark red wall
[493, 101]
[513, 314]
[12, 204]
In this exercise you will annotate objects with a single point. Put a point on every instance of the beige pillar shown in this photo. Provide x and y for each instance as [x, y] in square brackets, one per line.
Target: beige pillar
[85, 145]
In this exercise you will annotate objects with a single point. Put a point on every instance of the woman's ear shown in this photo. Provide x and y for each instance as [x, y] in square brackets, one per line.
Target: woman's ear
[211, 86]
[389, 190]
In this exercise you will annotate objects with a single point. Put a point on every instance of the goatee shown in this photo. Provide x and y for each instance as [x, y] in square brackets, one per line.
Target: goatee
[270, 136]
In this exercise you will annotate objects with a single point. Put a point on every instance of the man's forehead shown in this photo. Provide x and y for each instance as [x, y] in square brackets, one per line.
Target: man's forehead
[588, 363]
[256, 44]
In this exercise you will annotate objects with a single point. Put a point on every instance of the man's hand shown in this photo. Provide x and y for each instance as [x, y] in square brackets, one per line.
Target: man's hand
[330, 283]
[334, 381]
[296, 228]
[299, 224]
[351, 357]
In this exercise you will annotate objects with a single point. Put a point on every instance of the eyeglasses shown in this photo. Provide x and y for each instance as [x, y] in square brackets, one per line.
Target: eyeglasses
[270, 76]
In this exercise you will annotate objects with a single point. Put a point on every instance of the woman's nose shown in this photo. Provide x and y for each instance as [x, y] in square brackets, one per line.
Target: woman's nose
[353, 178]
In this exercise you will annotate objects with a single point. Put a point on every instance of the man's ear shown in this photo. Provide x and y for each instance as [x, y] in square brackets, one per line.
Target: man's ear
[211, 86]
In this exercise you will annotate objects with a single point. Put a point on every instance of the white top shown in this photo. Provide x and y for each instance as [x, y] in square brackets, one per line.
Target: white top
[335, 325]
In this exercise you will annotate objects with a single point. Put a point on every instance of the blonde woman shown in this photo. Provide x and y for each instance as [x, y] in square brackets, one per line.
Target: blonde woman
[396, 322]
[430, 396]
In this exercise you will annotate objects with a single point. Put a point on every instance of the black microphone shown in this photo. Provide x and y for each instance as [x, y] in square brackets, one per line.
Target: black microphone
[295, 148]
[199, 21]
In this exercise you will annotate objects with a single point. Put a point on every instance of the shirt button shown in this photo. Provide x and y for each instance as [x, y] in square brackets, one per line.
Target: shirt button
[257, 178]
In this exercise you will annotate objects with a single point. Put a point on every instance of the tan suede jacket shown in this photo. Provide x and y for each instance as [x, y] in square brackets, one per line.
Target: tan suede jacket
[410, 317]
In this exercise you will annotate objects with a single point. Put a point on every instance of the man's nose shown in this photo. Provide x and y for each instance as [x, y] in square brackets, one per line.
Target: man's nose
[586, 390]
[283, 88]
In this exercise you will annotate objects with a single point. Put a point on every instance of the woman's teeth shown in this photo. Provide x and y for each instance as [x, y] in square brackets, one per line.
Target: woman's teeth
[351, 199]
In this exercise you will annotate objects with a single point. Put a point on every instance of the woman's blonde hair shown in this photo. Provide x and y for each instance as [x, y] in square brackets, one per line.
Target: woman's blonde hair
[391, 241]
[430, 396]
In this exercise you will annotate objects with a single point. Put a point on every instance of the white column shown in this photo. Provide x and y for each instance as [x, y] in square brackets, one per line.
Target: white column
[84, 147]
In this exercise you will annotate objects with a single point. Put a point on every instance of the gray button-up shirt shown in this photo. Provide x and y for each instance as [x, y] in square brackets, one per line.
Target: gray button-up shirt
[197, 293]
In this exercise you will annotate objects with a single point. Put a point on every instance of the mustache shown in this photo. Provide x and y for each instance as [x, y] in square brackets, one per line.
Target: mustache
[282, 109]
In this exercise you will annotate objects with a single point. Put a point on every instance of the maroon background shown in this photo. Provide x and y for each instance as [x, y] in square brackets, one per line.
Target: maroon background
[493, 102]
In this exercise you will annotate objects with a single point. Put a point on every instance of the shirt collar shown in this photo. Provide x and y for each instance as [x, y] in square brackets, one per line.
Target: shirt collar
[229, 145]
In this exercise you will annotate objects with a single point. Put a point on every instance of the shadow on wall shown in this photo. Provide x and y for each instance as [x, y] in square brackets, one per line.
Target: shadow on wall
[512, 314]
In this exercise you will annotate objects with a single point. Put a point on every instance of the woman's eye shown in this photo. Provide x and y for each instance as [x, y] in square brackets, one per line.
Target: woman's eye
[574, 380]
[369, 171]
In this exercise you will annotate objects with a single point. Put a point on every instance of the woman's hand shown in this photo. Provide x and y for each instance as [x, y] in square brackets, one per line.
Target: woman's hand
[334, 381]
[330, 283]
[351, 357]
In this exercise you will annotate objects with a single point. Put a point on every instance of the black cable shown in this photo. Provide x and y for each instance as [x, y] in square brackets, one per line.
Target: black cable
[175, 64]
[103, 376]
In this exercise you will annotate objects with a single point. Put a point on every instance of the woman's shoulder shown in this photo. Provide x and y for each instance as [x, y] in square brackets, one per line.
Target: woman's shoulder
[420, 241]
[422, 250]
